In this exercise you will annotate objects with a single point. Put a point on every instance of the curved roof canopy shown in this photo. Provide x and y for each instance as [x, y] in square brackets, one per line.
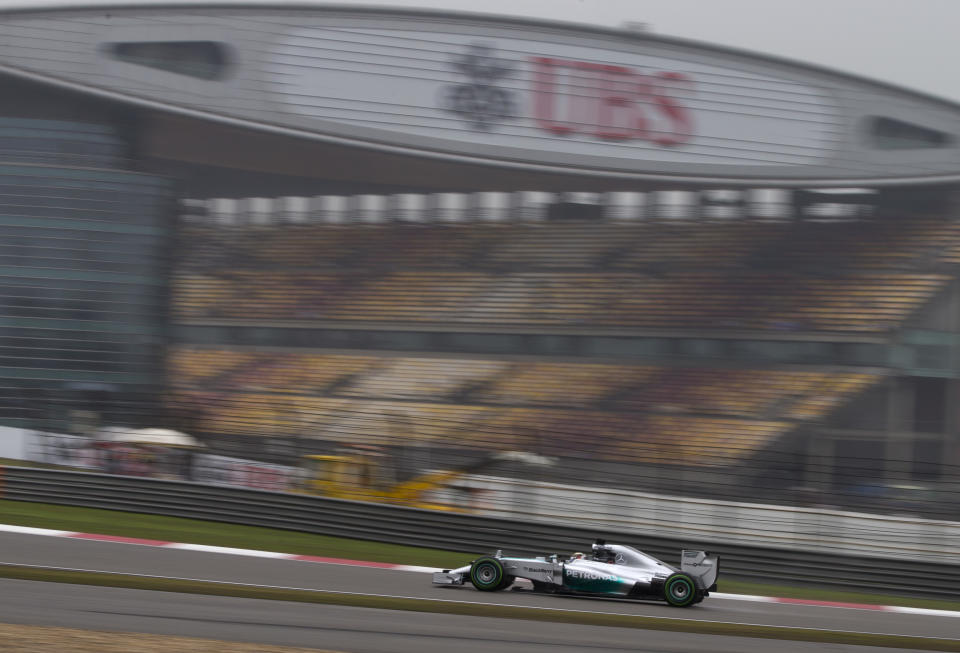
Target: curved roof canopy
[421, 99]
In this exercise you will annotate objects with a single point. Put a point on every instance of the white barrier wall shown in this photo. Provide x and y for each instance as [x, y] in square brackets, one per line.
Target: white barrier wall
[13, 443]
[61, 449]
[238, 472]
[828, 529]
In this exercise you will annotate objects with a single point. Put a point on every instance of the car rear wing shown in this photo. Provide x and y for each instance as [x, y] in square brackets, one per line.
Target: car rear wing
[702, 566]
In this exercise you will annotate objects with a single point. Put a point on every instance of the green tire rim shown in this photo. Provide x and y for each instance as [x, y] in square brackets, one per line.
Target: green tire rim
[486, 574]
[680, 591]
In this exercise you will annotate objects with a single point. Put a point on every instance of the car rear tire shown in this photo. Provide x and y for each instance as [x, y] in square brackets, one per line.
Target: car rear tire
[680, 591]
[487, 575]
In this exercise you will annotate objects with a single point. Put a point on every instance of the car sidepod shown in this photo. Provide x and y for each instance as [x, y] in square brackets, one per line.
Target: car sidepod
[596, 578]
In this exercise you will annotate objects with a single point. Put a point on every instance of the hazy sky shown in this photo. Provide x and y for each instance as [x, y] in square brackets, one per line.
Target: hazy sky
[913, 43]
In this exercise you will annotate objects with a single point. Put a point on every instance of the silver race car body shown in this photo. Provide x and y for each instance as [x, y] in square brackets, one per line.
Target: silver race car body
[613, 570]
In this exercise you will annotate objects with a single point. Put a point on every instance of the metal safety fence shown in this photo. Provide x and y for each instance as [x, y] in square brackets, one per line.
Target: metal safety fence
[462, 532]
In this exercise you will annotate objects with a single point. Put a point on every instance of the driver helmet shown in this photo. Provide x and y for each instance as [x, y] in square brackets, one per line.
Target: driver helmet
[604, 554]
[577, 556]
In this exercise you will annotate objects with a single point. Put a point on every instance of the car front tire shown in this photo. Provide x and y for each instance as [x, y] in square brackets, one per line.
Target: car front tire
[487, 575]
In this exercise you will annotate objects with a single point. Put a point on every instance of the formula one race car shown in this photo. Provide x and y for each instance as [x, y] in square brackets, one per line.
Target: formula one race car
[612, 570]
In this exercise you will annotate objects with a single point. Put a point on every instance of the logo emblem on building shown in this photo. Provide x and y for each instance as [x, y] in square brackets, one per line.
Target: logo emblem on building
[479, 101]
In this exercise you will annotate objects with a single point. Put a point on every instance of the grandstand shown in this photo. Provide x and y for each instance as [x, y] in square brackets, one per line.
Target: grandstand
[807, 276]
[585, 268]
[808, 280]
[592, 410]
[745, 350]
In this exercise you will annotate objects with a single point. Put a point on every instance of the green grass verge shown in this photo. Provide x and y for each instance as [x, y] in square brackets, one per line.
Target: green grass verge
[680, 624]
[195, 531]
[175, 529]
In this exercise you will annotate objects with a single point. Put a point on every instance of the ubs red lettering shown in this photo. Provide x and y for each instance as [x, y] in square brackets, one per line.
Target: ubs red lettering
[608, 102]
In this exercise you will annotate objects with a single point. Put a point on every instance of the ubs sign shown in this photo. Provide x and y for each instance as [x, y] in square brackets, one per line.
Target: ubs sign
[541, 99]
[610, 102]
[602, 101]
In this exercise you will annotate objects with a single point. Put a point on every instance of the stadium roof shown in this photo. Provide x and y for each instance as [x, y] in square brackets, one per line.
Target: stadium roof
[433, 100]
[58, 6]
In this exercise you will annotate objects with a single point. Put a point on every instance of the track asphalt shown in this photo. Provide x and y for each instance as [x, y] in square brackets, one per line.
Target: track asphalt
[351, 630]
[84, 551]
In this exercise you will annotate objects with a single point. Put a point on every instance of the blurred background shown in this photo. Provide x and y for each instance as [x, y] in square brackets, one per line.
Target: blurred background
[577, 274]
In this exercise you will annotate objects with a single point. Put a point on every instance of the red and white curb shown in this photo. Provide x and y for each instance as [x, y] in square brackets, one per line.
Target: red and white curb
[26, 530]
[204, 548]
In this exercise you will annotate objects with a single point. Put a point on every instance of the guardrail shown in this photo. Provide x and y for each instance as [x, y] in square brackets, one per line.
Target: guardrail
[460, 532]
